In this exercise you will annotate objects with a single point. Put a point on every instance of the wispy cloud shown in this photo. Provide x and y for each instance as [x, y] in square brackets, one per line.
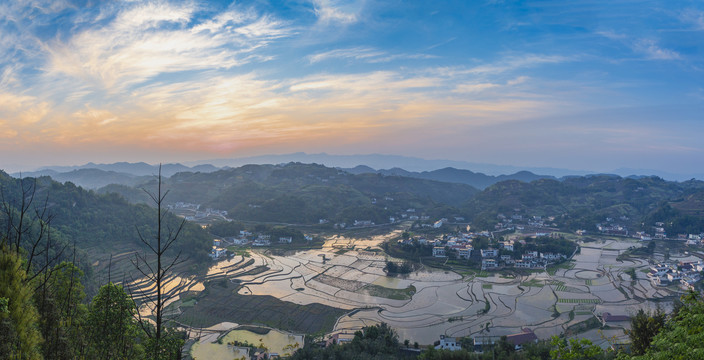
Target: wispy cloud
[150, 39]
[507, 64]
[331, 11]
[653, 51]
[198, 76]
[365, 54]
[694, 18]
[481, 87]
[648, 47]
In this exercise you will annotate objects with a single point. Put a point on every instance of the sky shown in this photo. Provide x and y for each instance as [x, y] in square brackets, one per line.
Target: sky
[590, 85]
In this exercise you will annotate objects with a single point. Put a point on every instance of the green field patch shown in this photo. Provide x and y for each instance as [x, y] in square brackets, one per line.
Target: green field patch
[394, 294]
[256, 271]
[533, 283]
[239, 251]
[588, 282]
[189, 303]
[552, 269]
[487, 286]
[483, 274]
[579, 301]
[584, 326]
[218, 304]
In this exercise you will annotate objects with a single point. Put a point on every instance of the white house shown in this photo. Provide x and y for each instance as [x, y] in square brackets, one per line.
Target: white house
[489, 264]
[217, 252]
[261, 242]
[439, 251]
[530, 255]
[525, 264]
[507, 245]
[674, 276]
[490, 253]
[551, 256]
[241, 241]
[465, 252]
[658, 270]
[448, 343]
[285, 240]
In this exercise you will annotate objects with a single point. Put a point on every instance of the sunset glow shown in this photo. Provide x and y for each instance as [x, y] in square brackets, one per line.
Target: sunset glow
[593, 85]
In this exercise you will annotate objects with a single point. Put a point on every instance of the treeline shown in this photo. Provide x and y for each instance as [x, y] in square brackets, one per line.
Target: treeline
[544, 245]
[582, 202]
[44, 310]
[45, 315]
[374, 342]
[98, 224]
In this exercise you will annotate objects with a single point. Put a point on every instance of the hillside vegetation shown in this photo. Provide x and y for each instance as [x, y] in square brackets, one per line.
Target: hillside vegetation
[306, 193]
[100, 224]
[582, 202]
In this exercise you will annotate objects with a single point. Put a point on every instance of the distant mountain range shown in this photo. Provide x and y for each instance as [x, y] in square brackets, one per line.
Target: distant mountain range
[296, 192]
[136, 169]
[414, 164]
[478, 175]
[94, 176]
[380, 161]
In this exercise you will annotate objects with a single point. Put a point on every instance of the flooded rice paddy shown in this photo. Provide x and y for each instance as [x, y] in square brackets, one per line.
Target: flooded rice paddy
[348, 274]
[230, 346]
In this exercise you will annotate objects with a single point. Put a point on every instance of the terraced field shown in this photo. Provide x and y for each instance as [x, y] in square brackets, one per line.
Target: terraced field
[329, 289]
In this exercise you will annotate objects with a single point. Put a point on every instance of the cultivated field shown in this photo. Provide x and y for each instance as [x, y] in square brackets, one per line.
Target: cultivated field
[343, 286]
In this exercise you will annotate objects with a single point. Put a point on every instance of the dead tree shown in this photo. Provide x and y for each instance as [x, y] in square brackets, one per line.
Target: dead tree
[28, 228]
[155, 267]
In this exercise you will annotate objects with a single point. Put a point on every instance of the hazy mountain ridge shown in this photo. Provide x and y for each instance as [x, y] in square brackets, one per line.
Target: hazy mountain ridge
[127, 168]
[415, 164]
[95, 176]
[452, 175]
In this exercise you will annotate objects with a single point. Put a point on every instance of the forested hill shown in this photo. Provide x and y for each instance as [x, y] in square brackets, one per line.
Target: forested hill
[452, 175]
[305, 193]
[582, 202]
[100, 224]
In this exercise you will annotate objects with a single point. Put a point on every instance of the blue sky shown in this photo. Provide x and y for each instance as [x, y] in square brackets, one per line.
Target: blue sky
[593, 85]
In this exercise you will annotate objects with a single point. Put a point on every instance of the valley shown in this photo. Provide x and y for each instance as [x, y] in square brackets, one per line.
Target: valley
[342, 287]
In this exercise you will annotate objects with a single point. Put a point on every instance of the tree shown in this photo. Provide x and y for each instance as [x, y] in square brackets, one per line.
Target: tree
[644, 327]
[574, 349]
[682, 336]
[20, 336]
[60, 305]
[155, 267]
[28, 227]
[112, 329]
